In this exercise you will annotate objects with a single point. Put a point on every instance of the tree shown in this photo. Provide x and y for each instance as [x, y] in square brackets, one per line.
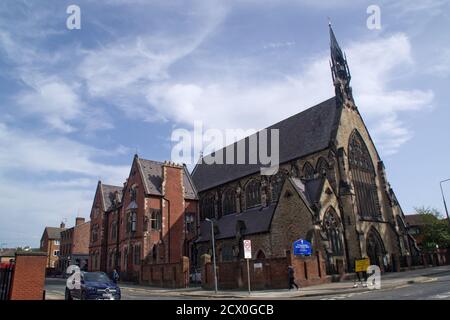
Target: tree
[435, 229]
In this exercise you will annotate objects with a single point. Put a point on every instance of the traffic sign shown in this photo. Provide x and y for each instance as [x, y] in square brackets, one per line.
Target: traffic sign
[247, 249]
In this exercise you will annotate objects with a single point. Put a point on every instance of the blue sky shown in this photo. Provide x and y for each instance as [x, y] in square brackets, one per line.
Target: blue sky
[77, 104]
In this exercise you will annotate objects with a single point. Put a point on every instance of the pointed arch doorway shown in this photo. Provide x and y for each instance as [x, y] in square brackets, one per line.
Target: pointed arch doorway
[375, 248]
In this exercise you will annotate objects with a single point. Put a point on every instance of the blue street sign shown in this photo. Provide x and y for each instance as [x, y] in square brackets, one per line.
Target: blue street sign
[302, 248]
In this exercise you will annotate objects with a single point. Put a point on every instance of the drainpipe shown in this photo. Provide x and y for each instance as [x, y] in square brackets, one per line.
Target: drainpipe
[168, 226]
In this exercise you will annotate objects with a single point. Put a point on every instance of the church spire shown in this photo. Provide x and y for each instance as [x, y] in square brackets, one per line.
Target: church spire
[339, 70]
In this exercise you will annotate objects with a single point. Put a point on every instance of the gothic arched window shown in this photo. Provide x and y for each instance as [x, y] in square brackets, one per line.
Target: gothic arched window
[95, 233]
[114, 230]
[229, 202]
[276, 185]
[253, 194]
[331, 226]
[208, 210]
[322, 167]
[308, 171]
[363, 175]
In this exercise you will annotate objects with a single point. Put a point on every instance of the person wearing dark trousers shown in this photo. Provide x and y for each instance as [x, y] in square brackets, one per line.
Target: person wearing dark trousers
[291, 276]
[115, 276]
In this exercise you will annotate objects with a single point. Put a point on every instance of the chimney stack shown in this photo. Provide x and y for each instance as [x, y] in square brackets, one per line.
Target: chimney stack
[79, 220]
[62, 225]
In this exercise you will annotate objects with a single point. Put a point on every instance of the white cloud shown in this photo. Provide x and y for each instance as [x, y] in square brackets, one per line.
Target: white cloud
[44, 179]
[33, 154]
[28, 208]
[55, 101]
[123, 69]
[440, 65]
[243, 103]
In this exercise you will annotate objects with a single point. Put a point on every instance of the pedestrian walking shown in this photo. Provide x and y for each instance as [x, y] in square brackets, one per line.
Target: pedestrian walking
[291, 276]
[115, 276]
[386, 262]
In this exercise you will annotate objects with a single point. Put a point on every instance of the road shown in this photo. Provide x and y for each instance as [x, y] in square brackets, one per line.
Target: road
[54, 290]
[438, 288]
[422, 284]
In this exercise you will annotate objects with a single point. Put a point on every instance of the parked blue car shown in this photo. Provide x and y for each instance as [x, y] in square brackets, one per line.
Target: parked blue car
[94, 286]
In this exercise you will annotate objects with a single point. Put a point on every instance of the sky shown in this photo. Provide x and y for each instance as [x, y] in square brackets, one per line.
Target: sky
[76, 105]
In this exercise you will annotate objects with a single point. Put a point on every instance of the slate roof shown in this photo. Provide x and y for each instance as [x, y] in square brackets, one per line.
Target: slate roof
[7, 252]
[256, 220]
[313, 189]
[53, 232]
[109, 195]
[152, 172]
[304, 133]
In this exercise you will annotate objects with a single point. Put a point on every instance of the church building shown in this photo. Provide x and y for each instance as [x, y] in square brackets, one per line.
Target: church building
[331, 189]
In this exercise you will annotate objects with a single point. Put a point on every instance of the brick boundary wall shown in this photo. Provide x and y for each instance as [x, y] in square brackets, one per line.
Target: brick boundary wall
[166, 275]
[269, 273]
[29, 276]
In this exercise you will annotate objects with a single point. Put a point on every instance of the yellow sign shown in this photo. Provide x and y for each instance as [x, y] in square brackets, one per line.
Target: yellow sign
[362, 265]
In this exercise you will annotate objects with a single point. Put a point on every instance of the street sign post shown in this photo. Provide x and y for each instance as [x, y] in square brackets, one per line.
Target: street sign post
[248, 256]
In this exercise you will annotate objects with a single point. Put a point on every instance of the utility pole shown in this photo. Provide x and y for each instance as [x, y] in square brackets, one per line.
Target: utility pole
[214, 254]
[443, 199]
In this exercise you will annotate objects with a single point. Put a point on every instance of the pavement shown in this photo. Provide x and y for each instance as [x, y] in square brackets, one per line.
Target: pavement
[429, 283]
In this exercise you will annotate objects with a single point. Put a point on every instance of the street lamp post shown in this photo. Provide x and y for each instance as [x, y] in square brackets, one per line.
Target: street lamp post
[443, 199]
[214, 253]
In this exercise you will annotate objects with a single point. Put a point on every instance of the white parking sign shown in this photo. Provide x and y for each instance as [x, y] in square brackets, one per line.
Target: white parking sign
[247, 249]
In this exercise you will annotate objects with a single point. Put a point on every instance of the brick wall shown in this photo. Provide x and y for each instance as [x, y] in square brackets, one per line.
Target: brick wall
[166, 275]
[81, 238]
[29, 276]
[264, 274]
[173, 191]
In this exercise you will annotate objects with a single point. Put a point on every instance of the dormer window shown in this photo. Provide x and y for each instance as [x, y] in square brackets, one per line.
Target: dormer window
[133, 221]
[190, 222]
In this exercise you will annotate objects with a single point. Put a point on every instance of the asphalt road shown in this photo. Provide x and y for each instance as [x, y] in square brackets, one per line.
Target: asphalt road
[437, 289]
[54, 290]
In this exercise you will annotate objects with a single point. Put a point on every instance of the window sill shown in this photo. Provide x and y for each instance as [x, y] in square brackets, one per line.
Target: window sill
[372, 220]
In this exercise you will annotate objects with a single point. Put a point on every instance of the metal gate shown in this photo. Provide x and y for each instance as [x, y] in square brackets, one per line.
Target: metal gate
[6, 275]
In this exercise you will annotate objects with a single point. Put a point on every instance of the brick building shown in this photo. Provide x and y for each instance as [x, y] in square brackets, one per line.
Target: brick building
[331, 189]
[6, 255]
[74, 246]
[152, 218]
[50, 243]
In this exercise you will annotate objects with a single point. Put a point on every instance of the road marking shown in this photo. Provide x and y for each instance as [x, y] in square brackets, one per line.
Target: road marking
[441, 296]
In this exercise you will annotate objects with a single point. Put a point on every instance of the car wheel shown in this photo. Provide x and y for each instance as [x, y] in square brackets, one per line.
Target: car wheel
[67, 295]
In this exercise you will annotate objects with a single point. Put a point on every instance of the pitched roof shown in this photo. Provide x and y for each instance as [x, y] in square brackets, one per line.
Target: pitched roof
[108, 195]
[53, 232]
[7, 252]
[256, 220]
[299, 135]
[313, 189]
[152, 176]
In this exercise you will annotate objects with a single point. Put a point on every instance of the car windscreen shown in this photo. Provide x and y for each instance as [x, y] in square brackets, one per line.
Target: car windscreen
[96, 277]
